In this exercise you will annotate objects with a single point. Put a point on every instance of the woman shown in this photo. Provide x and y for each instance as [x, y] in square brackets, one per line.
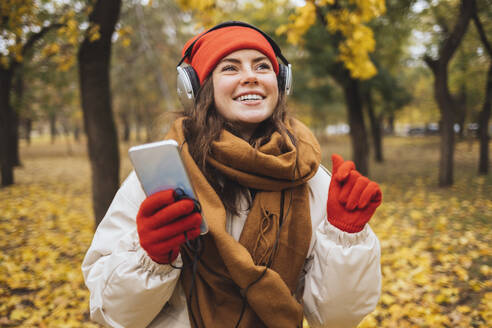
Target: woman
[283, 243]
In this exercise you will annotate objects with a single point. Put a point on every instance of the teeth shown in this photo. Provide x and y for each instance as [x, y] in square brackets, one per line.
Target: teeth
[249, 97]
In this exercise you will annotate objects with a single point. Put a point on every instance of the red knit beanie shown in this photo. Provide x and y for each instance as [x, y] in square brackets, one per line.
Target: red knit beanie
[215, 45]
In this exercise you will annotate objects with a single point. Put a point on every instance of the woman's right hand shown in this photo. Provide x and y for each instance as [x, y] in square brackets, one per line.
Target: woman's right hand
[164, 222]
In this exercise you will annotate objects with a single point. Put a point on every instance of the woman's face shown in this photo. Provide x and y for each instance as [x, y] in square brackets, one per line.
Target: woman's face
[245, 89]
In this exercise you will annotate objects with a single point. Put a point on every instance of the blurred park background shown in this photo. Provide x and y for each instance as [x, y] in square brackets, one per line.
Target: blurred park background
[402, 87]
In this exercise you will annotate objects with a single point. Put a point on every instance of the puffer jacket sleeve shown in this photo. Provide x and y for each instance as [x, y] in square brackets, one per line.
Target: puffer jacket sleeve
[342, 281]
[127, 288]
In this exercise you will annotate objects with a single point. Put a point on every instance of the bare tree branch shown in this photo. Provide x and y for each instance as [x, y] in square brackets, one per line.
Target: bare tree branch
[481, 33]
[320, 14]
[432, 63]
[37, 36]
[467, 7]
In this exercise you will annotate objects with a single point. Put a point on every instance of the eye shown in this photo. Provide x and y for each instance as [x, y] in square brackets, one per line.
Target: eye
[228, 68]
[264, 66]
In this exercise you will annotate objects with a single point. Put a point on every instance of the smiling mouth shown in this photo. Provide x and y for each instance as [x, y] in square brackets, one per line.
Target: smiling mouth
[249, 98]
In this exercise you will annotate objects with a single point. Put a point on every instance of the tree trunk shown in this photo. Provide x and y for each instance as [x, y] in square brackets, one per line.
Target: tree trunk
[446, 106]
[28, 128]
[442, 95]
[14, 139]
[358, 135]
[483, 166]
[125, 120]
[377, 138]
[148, 130]
[53, 132]
[484, 116]
[138, 123]
[391, 124]
[94, 64]
[461, 111]
[18, 88]
[6, 122]
[139, 132]
[76, 133]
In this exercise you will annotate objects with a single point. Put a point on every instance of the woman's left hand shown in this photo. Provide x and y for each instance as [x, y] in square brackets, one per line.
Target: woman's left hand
[352, 198]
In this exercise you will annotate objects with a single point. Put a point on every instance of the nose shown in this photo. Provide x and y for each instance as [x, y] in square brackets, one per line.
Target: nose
[249, 77]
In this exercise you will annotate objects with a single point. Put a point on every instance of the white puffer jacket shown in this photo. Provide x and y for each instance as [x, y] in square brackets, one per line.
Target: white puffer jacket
[342, 279]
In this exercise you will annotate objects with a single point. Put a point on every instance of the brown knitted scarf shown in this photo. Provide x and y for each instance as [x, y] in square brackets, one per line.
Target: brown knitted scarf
[229, 270]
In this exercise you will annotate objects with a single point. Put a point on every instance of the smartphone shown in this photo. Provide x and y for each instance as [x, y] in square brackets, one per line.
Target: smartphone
[159, 166]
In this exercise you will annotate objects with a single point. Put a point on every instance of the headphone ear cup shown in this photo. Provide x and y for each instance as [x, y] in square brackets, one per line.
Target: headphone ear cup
[284, 78]
[187, 86]
[195, 82]
[281, 77]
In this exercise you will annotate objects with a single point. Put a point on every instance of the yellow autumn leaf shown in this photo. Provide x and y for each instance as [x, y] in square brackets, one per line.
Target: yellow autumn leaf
[4, 61]
[387, 299]
[51, 49]
[463, 309]
[461, 273]
[94, 34]
[19, 314]
[485, 270]
[125, 42]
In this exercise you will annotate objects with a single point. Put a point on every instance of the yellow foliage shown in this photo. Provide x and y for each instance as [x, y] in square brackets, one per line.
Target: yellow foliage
[300, 22]
[51, 49]
[463, 309]
[126, 42]
[15, 14]
[65, 62]
[23, 18]
[124, 34]
[64, 55]
[125, 31]
[19, 314]
[198, 5]
[45, 228]
[486, 270]
[4, 61]
[357, 44]
[325, 2]
[433, 270]
[206, 12]
[93, 33]
[486, 307]
[358, 39]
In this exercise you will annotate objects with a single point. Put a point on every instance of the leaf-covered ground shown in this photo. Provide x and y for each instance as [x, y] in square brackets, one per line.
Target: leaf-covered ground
[436, 243]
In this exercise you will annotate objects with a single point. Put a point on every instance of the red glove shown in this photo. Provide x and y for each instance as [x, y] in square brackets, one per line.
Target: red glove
[352, 198]
[164, 223]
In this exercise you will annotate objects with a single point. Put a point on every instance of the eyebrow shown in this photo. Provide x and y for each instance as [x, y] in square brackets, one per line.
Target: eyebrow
[237, 61]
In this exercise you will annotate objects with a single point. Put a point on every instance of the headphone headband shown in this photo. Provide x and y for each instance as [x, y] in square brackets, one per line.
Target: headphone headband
[274, 45]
